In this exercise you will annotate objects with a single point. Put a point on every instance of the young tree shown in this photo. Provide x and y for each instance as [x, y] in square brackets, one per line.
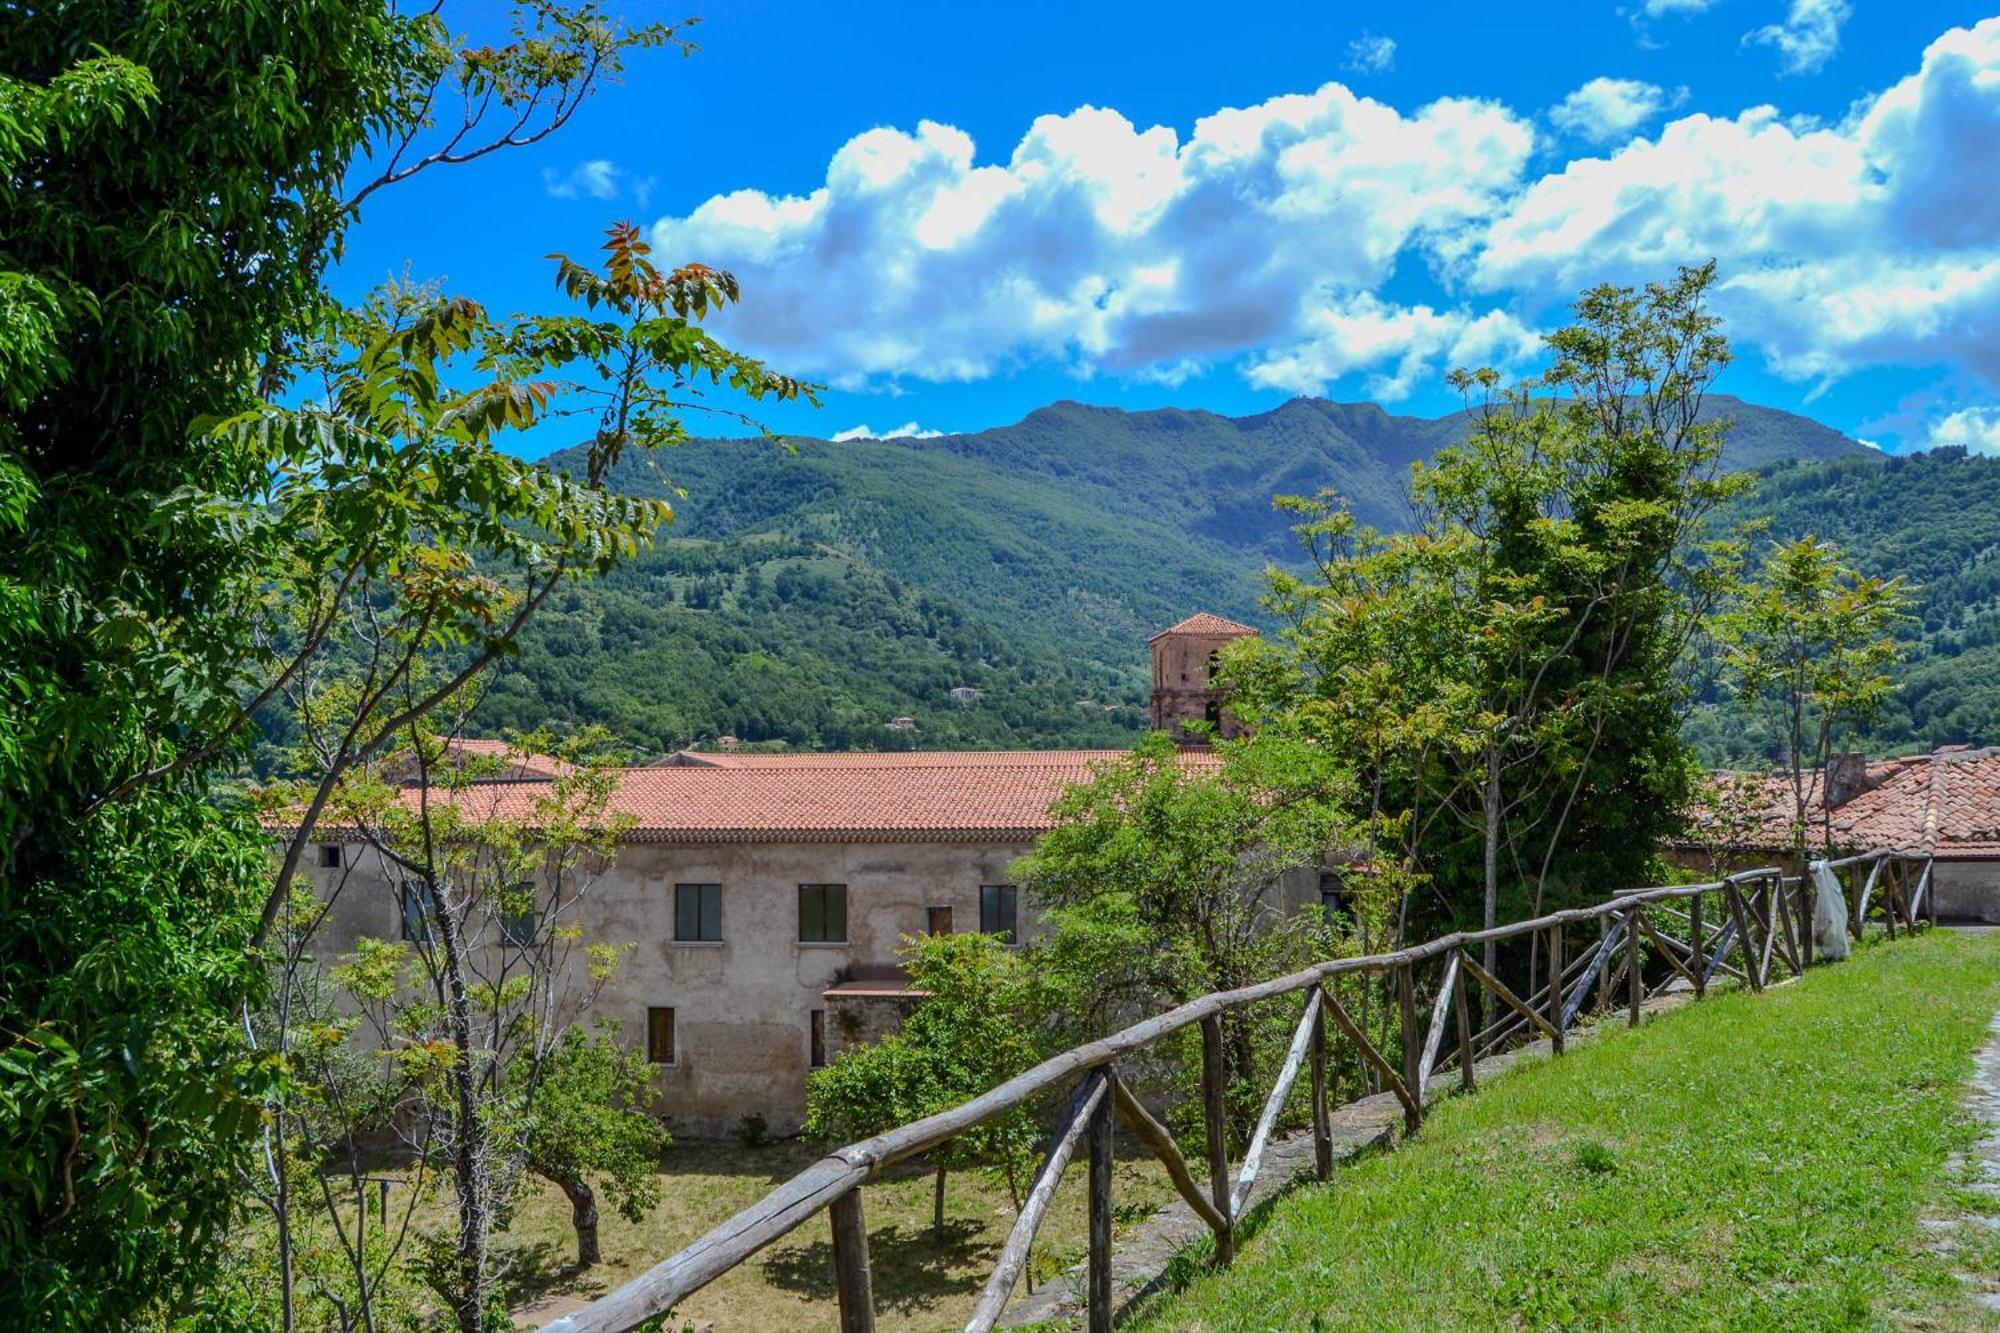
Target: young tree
[1813, 639]
[976, 1027]
[1161, 881]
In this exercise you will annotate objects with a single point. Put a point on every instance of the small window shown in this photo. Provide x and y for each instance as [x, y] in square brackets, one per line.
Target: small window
[937, 920]
[698, 912]
[329, 856]
[416, 899]
[822, 913]
[660, 1036]
[1332, 895]
[997, 911]
[520, 916]
[816, 1039]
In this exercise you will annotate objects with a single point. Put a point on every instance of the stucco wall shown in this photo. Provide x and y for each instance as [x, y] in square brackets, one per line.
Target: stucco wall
[1967, 890]
[741, 1006]
[1181, 688]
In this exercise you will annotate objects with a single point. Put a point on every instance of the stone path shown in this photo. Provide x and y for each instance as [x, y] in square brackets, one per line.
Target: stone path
[1140, 1262]
[1980, 1174]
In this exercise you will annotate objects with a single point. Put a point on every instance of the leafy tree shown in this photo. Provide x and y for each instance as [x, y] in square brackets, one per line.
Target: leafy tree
[176, 187]
[1161, 882]
[590, 1118]
[1812, 640]
[975, 1028]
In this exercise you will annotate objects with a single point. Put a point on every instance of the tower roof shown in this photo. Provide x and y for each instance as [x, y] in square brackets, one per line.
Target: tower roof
[1206, 626]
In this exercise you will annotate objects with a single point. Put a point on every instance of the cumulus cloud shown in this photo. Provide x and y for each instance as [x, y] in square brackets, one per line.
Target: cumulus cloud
[909, 430]
[1975, 428]
[1606, 109]
[1661, 8]
[1097, 244]
[1808, 37]
[1370, 54]
[1263, 239]
[1858, 243]
[597, 178]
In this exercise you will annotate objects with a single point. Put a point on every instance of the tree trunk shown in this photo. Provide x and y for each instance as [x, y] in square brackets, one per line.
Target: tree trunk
[469, 1166]
[583, 1216]
[1491, 805]
[937, 1207]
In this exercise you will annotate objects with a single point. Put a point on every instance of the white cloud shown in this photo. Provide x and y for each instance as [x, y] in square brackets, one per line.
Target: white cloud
[1975, 428]
[909, 430]
[1841, 246]
[1369, 54]
[1606, 109]
[1809, 35]
[1661, 8]
[1263, 239]
[1096, 244]
[597, 178]
[1409, 342]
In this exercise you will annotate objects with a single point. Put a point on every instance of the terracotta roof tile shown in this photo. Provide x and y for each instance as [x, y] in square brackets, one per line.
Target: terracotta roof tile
[1204, 625]
[934, 796]
[1946, 803]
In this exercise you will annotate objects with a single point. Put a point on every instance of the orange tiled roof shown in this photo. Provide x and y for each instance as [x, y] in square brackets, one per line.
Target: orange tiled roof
[1945, 804]
[924, 796]
[1204, 625]
[520, 763]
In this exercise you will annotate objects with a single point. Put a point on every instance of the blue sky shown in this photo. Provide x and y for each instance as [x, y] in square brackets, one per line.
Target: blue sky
[954, 214]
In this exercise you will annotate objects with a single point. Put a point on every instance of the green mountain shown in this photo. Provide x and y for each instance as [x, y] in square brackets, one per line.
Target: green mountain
[812, 594]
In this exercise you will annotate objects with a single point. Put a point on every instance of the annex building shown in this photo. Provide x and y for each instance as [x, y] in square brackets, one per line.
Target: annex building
[766, 896]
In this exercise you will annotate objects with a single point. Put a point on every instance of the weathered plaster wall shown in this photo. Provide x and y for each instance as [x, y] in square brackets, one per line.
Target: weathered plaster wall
[1967, 890]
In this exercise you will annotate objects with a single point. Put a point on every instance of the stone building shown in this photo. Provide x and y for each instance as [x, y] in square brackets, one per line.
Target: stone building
[1945, 805]
[766, 896]
[1184, 658]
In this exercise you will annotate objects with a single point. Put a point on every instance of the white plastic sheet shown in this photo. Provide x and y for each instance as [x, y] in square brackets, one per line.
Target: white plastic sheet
[1829, 914]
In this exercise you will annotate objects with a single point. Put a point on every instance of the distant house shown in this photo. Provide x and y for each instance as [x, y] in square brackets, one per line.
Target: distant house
[903, 723]
[1945, 805]
[767, 896]
[965, 694]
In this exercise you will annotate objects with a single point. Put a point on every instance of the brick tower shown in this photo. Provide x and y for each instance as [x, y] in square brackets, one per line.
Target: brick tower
[1183, 663]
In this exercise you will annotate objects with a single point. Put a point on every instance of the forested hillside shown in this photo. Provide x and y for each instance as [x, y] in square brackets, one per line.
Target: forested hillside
[1933, 519]
[815, 592]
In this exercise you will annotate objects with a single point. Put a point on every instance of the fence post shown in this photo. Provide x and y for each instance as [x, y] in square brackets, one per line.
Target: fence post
[1413, 1056]
[1698, 956]
[1100, 1217]
[851, 1278]
[1322, 1127]
[1744, 939]
[1636, 983]
[1464, 1014]
[1556, 987]
[1213, 1112]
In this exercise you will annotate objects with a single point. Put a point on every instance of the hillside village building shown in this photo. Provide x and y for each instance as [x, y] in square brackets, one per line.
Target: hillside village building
[1944, 805]
[767, 895]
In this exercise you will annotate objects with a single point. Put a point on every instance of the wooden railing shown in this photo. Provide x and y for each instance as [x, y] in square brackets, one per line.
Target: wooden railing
[1758, 917]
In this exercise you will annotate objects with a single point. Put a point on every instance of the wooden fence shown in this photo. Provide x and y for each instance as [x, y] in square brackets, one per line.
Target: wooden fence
[1737, 928]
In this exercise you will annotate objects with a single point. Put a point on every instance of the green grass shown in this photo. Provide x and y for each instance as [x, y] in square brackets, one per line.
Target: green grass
[1750, 1162]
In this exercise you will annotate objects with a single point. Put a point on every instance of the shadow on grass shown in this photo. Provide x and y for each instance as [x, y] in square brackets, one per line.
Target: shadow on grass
[912, 1270]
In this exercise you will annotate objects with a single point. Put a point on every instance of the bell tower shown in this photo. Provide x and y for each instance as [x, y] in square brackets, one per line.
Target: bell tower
[1183, 669]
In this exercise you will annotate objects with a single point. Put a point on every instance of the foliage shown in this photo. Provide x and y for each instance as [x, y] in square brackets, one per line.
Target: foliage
[591, 1117]
[1499, 1215]
[1813, 640]
[975, 1028]
[1163, 880]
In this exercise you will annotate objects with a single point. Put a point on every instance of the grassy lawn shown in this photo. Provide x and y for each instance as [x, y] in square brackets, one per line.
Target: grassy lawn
[790, 1285]
[1751, 1162]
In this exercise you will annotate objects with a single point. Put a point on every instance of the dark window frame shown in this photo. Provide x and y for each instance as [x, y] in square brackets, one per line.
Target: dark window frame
[816, 1039]
[931, 915]
[511, 923]
[705, 918]
[817, 913]
[331, 855]
[1000, 912]
[415, 927]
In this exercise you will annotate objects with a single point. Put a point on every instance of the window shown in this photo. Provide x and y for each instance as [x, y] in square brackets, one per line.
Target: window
[822, 913]
[660, 1036]
[997, 911]
[520, 915]
[937, 920]
[1332, 895]
[816, 1039]
[329, 856]
[416, 898]
[697, 912]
